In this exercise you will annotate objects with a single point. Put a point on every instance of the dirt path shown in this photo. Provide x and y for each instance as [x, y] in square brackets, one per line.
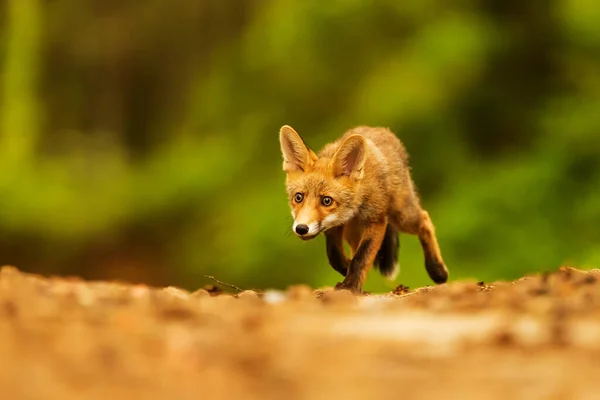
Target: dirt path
[538, 337]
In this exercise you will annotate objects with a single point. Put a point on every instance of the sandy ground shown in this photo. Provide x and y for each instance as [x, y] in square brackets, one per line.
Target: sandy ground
[535, 338]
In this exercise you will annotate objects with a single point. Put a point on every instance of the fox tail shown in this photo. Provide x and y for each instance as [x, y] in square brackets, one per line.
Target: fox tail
[387, 256]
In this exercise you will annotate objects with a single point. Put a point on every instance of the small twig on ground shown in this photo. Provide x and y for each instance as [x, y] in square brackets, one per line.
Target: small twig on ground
[223, 283]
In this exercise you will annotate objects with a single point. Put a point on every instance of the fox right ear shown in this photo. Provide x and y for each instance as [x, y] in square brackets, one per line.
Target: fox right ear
[296, 156]
[349, 159]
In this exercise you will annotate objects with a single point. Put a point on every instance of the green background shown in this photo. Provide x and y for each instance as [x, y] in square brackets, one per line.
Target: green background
[139, 139]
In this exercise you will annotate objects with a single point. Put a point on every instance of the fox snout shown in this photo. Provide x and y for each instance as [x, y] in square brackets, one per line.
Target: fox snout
[306, 231]
[302, 229]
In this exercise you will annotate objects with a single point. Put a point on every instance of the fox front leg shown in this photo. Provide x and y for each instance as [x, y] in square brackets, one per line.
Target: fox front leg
[334, 241]
[363, 259]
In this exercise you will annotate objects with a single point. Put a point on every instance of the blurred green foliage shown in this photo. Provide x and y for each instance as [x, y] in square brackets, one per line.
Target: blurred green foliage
[139, 140]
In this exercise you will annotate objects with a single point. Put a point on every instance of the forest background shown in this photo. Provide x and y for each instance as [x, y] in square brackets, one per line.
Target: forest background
[139, 140]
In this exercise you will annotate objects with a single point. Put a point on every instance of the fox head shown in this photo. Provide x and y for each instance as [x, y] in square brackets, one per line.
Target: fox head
[322, 191]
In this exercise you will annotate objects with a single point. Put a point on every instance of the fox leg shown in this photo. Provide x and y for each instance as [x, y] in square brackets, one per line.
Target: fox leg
[433, 256]
[364, 256]
[334, 241]
[416, 221]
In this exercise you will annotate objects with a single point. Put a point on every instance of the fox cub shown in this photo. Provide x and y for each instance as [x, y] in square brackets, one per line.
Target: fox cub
[358, 189]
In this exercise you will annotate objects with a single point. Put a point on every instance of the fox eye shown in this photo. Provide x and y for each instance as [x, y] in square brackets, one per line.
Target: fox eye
[299, 197]
[326, 201]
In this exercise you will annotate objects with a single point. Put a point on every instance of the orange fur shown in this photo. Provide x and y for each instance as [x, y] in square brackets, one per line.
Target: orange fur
[351, 190]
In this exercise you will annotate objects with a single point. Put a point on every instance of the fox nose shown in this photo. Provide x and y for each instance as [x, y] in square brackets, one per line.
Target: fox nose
[301, 229]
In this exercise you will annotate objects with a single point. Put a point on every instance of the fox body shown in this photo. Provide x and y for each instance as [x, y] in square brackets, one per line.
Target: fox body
[358, 189]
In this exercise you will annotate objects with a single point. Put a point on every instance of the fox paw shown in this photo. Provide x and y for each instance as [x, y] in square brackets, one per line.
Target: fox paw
[347, 286]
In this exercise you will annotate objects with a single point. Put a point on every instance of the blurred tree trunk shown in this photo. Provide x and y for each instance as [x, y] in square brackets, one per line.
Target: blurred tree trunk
[20, 108]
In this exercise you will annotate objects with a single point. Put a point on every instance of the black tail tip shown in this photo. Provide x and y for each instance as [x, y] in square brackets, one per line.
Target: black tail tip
[437, 272]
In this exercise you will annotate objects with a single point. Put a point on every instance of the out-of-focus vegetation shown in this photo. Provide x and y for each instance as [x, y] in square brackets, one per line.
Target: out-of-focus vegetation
[138, 140]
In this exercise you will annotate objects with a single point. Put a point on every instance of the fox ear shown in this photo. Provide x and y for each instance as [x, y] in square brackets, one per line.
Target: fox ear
[312, 156]
[349, 159]
[296, 156]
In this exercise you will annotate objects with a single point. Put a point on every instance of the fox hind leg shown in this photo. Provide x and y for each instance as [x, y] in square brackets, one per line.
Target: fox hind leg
[416, 221]
[387, 256]
[433, 257]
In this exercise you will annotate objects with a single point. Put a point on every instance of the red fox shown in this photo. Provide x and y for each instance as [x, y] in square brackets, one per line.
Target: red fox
[358, 189]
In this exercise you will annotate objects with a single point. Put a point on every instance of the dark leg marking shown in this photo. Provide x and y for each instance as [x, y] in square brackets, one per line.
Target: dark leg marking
[335, 252]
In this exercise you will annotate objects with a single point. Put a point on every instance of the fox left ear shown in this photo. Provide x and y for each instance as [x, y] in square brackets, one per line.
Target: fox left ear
[296, 155]
[349, 160]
